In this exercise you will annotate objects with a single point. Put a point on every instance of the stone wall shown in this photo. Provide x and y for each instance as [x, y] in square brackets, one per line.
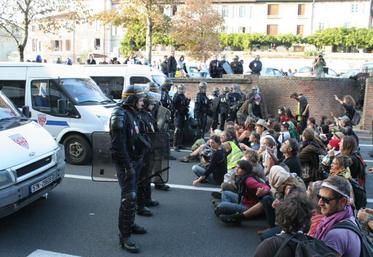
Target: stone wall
[276, 91]
[367, 116]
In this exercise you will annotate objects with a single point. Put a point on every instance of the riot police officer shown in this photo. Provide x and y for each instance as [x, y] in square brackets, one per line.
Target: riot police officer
[235, 100]
[201, 109]
[223, 108]
[181, 106]
[147, 126]
[214, 108]
[128, 148]
[166, 100]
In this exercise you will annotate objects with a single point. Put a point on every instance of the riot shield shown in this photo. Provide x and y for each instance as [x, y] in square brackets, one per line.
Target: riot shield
[159, 157]
[102, 166]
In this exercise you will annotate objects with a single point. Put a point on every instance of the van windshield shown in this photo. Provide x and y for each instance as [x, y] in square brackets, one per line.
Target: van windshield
[7, 109]
[159, 79]
[83, 91]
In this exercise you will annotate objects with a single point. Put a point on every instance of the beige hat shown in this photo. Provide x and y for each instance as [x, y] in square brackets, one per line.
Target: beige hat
[277, 176]
[262, 123]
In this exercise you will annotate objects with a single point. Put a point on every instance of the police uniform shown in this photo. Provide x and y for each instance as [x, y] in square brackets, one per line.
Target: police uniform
[223, 108]
[234, 102]
[181, 106]
[128, 148]
[214, 109]
[201, 109]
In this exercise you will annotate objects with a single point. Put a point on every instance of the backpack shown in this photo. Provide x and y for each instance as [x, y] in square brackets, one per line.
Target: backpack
[356, 118]
[362, 168]
[360, 194]
[306, 247]
[366, 243]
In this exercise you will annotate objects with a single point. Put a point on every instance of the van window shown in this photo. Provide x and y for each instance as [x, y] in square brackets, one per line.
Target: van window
[15, 91]
[139, 80]
[45, 95]
[111, 86]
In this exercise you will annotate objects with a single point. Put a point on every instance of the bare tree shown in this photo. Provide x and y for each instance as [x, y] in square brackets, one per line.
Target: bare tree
[196, 28]
[16, 17]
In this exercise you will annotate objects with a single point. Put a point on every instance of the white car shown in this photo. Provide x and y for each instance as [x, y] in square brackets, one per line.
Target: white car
[307, 71]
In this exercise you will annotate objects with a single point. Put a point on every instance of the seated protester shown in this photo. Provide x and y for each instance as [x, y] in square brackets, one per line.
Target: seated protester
[348, 147]
[334, 201]
[243, 135]
[293, 216]
[268, 149]
[284, 134]
[309, 157]
[325, 134]
[254, 142]
[253, 157]
[340, 167]
[251, 190]
[282, 115]
[333, 150]
[234, 155]
[217, 167]
[311, 123]
[312, 193]
[290, 151]
[198, 148]
[365, 217]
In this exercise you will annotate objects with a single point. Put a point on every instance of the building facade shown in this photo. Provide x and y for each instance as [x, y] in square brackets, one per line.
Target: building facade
[246, 16]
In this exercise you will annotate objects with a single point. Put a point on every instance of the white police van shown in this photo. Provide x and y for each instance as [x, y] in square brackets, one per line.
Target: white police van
[112, 78]
[32, 163]
[63, 100]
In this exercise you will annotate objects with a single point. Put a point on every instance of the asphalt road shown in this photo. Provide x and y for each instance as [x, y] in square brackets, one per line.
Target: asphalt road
[79, 218]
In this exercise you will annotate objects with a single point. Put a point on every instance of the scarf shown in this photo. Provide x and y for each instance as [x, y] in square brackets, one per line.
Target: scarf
[345, 172]
[327, 222]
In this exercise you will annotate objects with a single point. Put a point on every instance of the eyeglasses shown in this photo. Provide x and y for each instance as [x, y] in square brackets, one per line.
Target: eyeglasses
[326, 200]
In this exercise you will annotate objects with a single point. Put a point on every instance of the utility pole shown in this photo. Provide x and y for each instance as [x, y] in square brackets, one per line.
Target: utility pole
[370, 14]
[312, 15]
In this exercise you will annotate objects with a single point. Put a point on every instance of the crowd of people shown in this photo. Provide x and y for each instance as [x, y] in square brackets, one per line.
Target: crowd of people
[306, 178]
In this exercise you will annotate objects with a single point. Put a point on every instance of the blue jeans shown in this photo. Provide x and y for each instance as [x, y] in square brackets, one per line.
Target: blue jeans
[200, 171]
[229, 204]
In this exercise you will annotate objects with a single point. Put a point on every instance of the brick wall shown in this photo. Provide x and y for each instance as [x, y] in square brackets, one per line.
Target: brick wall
[276, 91]
[367, 117]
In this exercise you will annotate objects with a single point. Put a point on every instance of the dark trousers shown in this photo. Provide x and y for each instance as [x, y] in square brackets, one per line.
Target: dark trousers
[128, 184]
[144, 189]
[202, 124]
[268, 209]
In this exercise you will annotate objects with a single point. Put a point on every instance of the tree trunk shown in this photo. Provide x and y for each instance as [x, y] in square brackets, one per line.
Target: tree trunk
[21, 51]
[149, 38]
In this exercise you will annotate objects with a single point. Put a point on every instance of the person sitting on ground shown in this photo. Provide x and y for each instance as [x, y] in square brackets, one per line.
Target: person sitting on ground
[284, 134]
[333, 150]
[234, 155]
[217, 166]
[294, 219]
[254, 142]
[311, 123]
[365, 216]
[253, 157]
[251, 189]
[243, 135]
[290, 150]
[334, 201]
[340, 167]
[312, 193]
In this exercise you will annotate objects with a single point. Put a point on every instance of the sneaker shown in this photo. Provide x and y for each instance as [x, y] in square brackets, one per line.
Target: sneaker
[138, 230]
[152, 203]
[231, 218]
[215, 202]
[145, 211]
[162, 187]
[216, 195]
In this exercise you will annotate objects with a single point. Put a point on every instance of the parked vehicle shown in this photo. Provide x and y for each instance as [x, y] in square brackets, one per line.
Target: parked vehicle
[67, 103]
[307, 71]
[32, 163]
[271, 72]
[349, 74]
[112, 79]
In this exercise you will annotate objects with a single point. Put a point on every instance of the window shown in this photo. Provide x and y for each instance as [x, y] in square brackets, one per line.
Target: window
[97, 44]
[242, 11]
[300, 30]
[272, 29]
[174, 10]
[111, 86]
[272, 9]
[354, 8]
[242, 29]
[56, 45]
[301, 9]
[15, 91]
[39, 45]
[68, 45]
[139, 80]
[321, 26]
[225, 11]
[34, 43]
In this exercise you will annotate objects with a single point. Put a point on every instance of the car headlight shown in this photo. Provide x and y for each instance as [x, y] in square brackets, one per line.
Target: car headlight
[6, 179]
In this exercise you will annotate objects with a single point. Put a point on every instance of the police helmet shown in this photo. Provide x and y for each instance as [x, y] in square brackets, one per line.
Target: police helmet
[152, 87]
[226, 89]
[132, 94]
[180, 89]
[151, 98]
[202, 86]
[236, 88]
[167, 84]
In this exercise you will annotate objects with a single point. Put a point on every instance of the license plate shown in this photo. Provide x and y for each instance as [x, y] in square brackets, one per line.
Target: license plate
[45, 182]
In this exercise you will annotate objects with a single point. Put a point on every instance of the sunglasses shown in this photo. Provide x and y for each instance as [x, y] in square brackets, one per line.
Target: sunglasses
[325, 199]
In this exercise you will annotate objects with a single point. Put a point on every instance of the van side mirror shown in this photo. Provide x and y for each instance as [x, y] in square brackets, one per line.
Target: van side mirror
[62, 106]
[26, 111]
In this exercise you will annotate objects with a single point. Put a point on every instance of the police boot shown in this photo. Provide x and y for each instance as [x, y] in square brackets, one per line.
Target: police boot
[176, 141]
[128, 244]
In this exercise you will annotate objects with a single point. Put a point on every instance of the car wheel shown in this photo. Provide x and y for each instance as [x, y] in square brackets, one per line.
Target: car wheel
[78, 151]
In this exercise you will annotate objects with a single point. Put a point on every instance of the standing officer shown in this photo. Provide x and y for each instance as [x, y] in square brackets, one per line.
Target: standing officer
[235, 100]
[201, 108]
[214, 108]
[223, 108]
[128, 148]
[181, 105]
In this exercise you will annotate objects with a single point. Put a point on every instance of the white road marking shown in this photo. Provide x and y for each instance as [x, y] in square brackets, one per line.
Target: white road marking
[369, 200]
[42, 253]
[365, 145]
